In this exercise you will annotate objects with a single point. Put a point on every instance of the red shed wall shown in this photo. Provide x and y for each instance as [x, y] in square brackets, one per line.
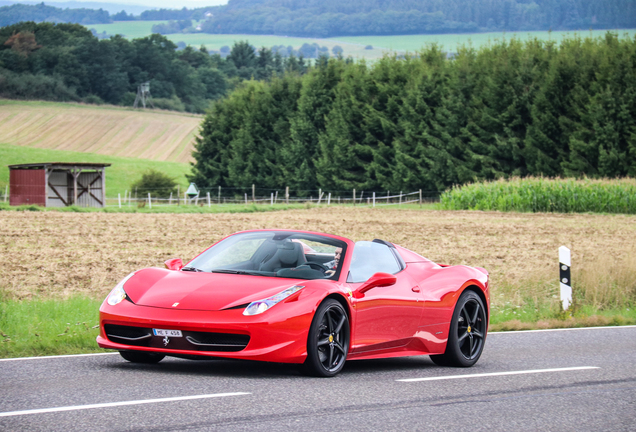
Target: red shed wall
[28, 186]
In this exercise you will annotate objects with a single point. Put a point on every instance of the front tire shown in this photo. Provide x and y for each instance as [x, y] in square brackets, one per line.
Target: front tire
[328, 340]
[467, 334]
[141, 357]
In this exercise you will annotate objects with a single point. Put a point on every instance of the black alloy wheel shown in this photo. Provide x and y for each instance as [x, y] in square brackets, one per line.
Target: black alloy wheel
[141, 357]
[467, 333]
[328, 340]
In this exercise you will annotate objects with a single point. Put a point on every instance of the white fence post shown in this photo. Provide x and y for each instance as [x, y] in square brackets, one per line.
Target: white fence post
[286, 194]
[219, 195]
[354, 197]
[275, 197]
[245, 198]
[400, 198]
[373, 199]
[208, 199]
[196, 199]
[271, 199]
[119, 199]
[329, 199]
[565, 281]
[149, 201]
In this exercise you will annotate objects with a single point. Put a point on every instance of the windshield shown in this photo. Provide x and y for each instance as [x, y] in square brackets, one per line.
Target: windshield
[275, 254]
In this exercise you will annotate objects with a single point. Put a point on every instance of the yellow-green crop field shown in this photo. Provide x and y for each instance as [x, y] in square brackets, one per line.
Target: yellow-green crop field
[104, 130]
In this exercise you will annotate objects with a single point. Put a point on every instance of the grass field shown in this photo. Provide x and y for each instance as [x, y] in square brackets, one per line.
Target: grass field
[129, 29]
[58, 266]
[119, 176]
[102, 130]
[449, 42]
[352, 46]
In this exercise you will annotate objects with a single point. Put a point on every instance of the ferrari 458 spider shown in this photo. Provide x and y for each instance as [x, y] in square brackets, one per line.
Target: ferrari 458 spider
[299, 297]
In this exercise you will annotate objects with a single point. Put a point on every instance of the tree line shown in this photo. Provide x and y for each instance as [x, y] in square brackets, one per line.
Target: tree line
[328, 18]
[428, 121]
[66, 62]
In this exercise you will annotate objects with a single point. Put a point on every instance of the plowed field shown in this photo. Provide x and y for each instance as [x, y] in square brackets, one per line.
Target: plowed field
[55, 254]
[106, 130]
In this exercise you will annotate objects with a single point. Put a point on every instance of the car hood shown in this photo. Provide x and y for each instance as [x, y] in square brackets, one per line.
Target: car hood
[200, 291]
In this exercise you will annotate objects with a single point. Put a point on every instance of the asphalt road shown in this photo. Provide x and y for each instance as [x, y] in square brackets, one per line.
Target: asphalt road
[571, 380]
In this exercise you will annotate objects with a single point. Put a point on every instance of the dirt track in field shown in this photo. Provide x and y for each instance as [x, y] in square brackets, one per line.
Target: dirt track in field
[57, 254]
[108, 130]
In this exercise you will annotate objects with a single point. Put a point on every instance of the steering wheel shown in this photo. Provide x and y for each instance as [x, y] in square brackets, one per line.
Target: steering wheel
[316, 266]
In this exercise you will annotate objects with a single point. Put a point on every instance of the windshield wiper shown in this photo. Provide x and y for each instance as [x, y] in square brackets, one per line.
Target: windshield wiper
[241, 272]
[192, 269]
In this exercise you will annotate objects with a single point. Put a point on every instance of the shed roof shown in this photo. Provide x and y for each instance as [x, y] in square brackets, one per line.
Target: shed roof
[60, 165]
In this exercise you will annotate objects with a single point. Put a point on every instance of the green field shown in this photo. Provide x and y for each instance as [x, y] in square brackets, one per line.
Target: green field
[352, 46]
[119, 176]
[129, 29]
[449, 42]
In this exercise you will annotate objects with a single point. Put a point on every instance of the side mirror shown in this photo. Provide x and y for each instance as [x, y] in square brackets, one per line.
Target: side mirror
[174, 264]
[377, 280]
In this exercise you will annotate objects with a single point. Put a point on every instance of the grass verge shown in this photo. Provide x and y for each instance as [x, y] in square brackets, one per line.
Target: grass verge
[41, 327]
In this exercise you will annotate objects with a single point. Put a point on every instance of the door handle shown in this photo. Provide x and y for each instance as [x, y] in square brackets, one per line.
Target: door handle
[415, 289]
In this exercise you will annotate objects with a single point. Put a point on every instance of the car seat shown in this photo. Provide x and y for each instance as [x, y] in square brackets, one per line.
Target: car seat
[288, 255]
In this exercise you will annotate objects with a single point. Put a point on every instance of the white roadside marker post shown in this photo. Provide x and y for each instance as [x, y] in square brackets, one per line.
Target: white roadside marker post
[564, 277]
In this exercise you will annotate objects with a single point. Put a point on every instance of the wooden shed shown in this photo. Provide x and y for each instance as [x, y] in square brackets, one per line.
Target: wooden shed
[58, 184]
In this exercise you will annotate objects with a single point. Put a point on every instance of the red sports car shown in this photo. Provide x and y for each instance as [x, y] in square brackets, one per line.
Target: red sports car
[299, 297]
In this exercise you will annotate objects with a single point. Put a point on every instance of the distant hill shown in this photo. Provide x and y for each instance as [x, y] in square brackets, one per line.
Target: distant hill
[40, 12]
[327, 18]
[111, 8]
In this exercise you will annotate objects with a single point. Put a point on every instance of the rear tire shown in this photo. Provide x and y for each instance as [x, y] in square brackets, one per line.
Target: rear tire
[467, 335]
[141, 357]
[328, 340]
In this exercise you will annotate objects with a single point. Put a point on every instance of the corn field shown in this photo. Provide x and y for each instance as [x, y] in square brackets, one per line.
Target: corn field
[537, 194]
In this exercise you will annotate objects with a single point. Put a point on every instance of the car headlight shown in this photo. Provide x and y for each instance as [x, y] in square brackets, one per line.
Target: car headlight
[118, 293]
[260, 306]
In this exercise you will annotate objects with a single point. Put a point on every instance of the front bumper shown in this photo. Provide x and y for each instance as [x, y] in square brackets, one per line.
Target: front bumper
[277, 335]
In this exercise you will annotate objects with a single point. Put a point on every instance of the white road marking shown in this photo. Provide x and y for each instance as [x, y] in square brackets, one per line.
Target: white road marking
[116, 404]
[57, 356]
[498, 374]
[562, 329]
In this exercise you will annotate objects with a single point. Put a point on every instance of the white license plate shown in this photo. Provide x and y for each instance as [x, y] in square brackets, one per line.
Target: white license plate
[169, 333]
